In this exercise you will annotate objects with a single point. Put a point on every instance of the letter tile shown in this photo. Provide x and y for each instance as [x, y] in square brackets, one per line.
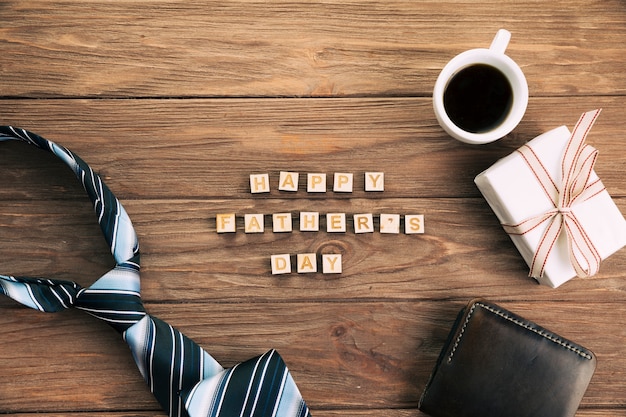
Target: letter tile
[288, 181]
[225, 223]
[331, 263]
[316, 183]
[259, 183]
[307, 263]
[309, 221]
[254, 223]
[281, 222]
[335, 222]
[374, 181]
[364, 223]
[281, 264]
[343, 182]
[413, 223]
[389, 223]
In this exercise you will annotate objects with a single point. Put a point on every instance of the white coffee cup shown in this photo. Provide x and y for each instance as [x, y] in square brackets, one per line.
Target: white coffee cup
[485, 60]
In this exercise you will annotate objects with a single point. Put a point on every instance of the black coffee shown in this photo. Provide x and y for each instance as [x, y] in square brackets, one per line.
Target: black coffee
[478, 98]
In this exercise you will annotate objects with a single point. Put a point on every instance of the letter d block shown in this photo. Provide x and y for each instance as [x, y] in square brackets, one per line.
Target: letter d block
[281, 264]
[225, 223]
[331, 263]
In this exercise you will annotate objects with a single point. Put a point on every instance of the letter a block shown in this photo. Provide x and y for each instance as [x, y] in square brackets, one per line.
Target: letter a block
[331, 263]
[288, 181]
[307, 263]
[281, 264]
[225, 223]
[254, 223]
[259, 183]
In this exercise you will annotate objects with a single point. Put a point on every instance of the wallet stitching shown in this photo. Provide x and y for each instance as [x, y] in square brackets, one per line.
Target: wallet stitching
[549, 336]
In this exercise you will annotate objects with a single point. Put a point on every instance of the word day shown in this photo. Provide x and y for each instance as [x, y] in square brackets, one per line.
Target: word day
[306, 263]
[310, 222]
[343, 182]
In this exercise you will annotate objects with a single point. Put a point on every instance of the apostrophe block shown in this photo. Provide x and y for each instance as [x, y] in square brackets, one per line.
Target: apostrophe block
[259, 183]
[390, 223]
[374, 181]
[225, 223]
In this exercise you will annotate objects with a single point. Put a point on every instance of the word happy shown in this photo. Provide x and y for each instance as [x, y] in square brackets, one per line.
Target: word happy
[316, 182]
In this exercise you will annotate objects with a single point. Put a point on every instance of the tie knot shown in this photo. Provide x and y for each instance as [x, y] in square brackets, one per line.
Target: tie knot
[114, 298]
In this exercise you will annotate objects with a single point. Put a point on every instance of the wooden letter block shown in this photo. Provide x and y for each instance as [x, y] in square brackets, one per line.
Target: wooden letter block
[374, 181]
[343, 183]
[254, 223]
[309, 221]
[307, 263]
[389, 223]
[331, 263]
[259, 183]
[281, 264]
[281, 222]
[225, 223]
[413, 223]
[288, 181]
[335, 222]
[316, 183]
[363, 223]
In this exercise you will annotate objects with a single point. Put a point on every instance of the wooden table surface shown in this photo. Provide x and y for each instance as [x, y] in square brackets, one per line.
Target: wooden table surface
[176, 103]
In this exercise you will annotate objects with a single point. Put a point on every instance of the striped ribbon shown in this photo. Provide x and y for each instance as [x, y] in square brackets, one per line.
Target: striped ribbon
[184, 378]
[575, 187]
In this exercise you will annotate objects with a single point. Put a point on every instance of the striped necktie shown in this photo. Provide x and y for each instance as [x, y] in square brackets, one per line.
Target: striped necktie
[185, 379]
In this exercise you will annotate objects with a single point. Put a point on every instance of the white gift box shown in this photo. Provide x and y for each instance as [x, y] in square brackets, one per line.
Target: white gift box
[514, 194]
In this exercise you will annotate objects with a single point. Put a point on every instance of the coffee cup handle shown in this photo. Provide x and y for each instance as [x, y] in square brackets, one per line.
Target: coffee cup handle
[500, 41]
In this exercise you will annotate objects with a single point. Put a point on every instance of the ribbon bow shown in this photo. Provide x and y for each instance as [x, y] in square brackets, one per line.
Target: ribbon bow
[576, 187]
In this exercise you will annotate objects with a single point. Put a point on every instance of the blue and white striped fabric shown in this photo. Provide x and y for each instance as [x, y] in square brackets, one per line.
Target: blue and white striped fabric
[184, 378]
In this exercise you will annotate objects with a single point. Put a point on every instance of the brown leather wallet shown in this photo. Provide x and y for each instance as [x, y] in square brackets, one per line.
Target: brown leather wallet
[497, 364]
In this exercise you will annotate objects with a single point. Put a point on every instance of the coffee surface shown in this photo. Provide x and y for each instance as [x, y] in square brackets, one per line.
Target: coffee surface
[478, 98]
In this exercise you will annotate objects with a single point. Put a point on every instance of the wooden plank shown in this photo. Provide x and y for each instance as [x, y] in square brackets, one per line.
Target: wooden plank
[463, 251]
[331, 48]
[348, 348]
[208, 148]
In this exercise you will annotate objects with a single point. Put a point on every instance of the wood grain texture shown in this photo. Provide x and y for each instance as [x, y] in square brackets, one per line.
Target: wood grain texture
[176, 103]
[302, 48]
